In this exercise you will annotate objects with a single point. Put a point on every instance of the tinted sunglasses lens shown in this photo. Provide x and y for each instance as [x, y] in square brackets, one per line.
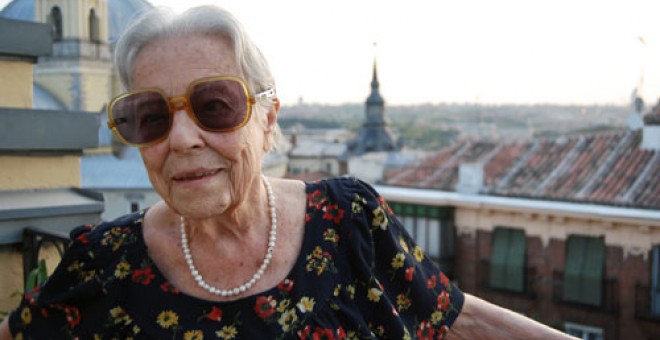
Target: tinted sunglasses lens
[141, 117]
[220, 105]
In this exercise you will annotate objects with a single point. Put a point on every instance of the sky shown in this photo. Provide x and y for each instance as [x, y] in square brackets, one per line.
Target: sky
[470, 51]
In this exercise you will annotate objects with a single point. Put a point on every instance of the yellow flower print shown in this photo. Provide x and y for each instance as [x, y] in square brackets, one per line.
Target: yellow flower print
[88, 275]
[284, 305]
[167, 319]
[227, 333]
[193, 335]
[19, 336]
[306, 304]
[374, 294]
[380, 218]
[337, 290]
[406, 334]
[403, 302]
[357, 204]
[331, 235]
[351, 291]
[122, 270]
[404, 245]
[317, 252]
[398, 260]
[26, 315]
[288, 319]
[75, 266]
[120, 316]
[418, 253]
[436, 317]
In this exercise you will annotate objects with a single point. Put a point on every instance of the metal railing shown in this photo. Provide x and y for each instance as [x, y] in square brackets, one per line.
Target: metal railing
[33, 240]
[644, 303]
[609, 301]
[529, 276]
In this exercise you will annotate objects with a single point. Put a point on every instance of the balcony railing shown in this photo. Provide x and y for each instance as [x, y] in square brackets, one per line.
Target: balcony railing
[608, 302]
[529, 276]
[33, 240]
[644, 308]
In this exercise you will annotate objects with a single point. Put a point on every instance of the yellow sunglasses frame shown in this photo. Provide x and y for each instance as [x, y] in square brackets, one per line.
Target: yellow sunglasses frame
[182, 102]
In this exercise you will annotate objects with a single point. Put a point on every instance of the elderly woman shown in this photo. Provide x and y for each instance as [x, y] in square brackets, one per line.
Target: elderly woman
[229, 253]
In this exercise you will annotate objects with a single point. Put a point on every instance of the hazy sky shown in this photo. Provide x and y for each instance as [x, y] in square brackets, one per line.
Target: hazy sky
[504, 51]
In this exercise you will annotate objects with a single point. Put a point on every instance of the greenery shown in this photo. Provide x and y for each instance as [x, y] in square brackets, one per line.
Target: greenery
[37, 277]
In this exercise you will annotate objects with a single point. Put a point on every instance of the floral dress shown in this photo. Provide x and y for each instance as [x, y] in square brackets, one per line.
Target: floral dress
[359, 276]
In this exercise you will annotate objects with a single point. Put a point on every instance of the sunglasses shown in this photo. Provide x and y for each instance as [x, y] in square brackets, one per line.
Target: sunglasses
[217, 104]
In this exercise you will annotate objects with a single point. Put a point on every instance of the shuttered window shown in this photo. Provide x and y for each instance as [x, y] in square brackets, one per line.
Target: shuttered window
[655, 282]
[584, 270]
[507, 269]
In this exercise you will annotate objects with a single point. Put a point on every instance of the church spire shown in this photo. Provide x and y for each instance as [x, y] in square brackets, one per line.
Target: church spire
[375, 98]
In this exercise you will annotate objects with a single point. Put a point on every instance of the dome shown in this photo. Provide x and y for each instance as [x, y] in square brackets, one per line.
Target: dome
[121, 13]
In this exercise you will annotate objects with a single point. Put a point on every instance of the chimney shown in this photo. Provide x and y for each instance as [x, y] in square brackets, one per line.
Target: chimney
[470, 178]
[651, 130]
[634, 120]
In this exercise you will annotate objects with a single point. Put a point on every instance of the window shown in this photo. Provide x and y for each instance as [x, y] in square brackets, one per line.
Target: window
[584, 332]
[507, 269]
[55, 19]
[94, 34]
[135, 206]
[655, 282]
[584, 270]
[430, 226]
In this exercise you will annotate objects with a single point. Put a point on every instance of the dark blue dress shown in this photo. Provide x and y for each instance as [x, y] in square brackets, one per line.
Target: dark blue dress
[359, 275]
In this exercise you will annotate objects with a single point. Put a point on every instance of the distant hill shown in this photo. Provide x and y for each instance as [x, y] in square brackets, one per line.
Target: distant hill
[431, 126]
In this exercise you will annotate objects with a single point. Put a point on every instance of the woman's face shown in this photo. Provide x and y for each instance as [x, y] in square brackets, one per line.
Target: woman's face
[198, 173]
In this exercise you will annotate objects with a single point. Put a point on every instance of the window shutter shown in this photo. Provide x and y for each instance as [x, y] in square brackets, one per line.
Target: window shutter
[655, 282]
[576, 249]
[498, 268]
[594, 267]
[516, 260]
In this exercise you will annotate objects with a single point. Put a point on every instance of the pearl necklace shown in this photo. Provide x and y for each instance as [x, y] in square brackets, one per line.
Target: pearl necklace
[267, 258]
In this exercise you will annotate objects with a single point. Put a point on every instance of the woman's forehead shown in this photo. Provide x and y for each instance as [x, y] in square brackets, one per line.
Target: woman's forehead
[171, 63]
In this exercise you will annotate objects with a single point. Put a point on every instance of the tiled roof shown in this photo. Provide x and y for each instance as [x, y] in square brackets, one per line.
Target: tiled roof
[603, 168]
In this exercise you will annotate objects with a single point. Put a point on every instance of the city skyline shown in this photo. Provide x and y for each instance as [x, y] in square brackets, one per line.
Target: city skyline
[509, 52]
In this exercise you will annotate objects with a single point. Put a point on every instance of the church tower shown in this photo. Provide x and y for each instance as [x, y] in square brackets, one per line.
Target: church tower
[79, 70]
[375, 134]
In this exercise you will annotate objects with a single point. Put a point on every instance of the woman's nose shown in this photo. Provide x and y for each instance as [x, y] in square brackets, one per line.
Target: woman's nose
[184, 133]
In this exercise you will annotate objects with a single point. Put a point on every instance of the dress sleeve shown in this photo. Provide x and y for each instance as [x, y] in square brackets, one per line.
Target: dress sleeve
[402, 275]
[53, 309]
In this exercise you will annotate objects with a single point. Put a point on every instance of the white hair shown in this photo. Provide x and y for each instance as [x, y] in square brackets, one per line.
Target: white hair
[160, 22]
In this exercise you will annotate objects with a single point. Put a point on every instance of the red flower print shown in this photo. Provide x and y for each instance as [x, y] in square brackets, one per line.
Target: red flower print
[265, 306]
[215, 314]
[302, 334]
[143, 276]
[307, 218]
[323, 333]
[316, 199]
[72, 314]
[410, 271]
[431, 283]
[82, 238]
[333, 213]
[443, 330]
[285, 286]
[443, 301]
[425, 331]
[384, 204]
[169, 288]
[341, 334]
[444, 279]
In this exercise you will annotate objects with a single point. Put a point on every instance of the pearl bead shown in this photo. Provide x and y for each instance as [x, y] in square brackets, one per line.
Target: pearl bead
[262, 269]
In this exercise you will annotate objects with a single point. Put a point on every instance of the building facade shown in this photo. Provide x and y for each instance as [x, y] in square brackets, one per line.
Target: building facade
[563, 230]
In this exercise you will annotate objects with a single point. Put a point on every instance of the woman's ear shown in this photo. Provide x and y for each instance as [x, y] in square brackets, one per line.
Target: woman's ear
[271, 122]
[272, 114]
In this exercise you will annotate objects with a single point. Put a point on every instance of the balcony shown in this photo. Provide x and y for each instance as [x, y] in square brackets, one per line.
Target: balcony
[645, 309]
[529, 286]
[607, 303]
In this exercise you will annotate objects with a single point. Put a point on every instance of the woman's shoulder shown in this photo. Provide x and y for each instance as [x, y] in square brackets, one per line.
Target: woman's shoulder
[102, 234]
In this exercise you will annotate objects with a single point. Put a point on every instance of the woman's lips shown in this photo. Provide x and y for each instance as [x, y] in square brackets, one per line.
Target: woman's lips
[195, 175]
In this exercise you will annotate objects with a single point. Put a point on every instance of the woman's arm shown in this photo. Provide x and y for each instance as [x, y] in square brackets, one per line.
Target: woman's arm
[4, 329]
[482, 320]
